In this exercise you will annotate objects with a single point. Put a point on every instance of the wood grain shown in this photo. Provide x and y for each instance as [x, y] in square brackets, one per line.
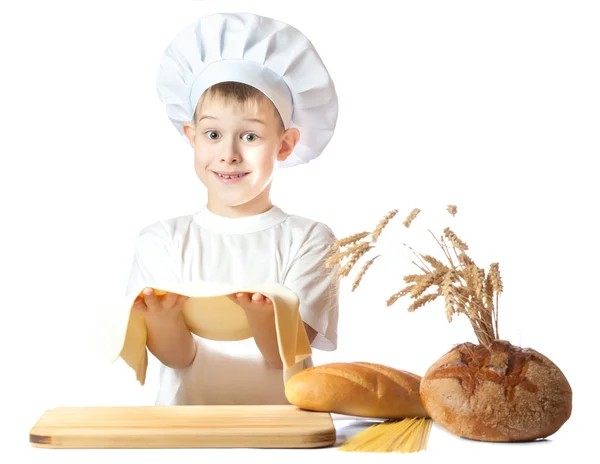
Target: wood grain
[268, 426]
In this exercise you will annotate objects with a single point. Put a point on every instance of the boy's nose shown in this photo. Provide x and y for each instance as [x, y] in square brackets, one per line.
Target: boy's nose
[230, 153]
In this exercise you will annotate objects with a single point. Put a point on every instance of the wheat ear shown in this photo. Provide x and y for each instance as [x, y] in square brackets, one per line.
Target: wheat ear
[384, 222]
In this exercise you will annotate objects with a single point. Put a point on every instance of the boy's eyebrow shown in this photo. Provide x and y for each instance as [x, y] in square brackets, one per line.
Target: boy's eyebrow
[256, 120]
[260, 121]
[206, 117]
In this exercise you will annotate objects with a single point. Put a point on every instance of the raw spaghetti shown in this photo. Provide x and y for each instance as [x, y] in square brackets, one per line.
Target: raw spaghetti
[404, 436]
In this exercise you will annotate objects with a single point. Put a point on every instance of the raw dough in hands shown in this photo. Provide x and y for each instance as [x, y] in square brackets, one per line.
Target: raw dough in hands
[210, 314]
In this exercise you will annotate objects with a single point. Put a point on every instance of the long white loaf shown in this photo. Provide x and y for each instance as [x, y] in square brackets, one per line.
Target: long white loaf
[357, 389]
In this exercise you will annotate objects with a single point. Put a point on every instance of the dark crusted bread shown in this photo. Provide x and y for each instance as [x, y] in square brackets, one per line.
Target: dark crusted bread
[501, 394]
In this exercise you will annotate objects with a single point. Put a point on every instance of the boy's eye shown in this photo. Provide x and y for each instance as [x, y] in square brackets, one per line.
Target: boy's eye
[250, 137]
[213, 135]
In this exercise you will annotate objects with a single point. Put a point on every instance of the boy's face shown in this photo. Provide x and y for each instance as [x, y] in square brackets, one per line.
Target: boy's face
[235, 153]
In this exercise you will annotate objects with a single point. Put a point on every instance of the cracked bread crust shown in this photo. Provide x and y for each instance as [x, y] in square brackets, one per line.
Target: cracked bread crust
[502, 394]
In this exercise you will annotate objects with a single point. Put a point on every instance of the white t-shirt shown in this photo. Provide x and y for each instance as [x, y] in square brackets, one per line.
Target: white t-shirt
[272, 247]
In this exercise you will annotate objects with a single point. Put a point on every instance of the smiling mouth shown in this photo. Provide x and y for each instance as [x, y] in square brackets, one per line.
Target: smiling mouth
[231, 176]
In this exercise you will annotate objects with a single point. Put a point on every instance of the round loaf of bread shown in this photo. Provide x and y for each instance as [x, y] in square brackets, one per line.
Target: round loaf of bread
[357, 389]
[501, 394]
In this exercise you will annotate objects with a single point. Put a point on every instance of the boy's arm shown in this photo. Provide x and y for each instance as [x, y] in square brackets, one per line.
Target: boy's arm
[169, 338]
[157, 262]
[261, 318]
[171, 342]
[262, 324]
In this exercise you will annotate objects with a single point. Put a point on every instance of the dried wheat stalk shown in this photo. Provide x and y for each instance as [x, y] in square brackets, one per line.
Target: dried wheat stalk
[353, 247]
[350, 240]
[456, 242]
[384, 222]
[360, 251]
[464, 287]
[362, 272]
[409, 219]
[335, 257]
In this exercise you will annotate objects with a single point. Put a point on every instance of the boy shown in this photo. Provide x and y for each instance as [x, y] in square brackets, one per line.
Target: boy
[249, 94]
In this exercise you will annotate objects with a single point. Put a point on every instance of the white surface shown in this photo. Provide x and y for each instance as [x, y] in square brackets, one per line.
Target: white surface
[493, 107]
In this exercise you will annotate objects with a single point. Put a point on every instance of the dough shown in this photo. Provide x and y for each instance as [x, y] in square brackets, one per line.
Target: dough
[210, 314]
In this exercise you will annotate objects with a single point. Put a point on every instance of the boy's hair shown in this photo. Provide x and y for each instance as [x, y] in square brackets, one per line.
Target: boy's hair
[243, 94]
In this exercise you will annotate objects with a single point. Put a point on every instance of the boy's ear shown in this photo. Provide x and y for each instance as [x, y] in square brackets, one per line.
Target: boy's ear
[190, 132]
[288, 143]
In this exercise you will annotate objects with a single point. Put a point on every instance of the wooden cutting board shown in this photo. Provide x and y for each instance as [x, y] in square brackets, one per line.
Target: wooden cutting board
[268, 426]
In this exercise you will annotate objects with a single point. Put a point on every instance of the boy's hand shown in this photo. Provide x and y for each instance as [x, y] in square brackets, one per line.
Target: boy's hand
[261, 318]
[162, 305]
[250, 301]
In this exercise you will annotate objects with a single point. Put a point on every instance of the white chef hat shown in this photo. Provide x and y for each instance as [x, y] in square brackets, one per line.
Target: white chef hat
[267, 54]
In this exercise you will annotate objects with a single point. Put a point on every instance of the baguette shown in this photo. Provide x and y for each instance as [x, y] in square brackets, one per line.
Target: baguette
[357, 389]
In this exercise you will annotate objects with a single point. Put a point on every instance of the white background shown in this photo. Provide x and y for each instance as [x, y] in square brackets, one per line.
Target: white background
[492, 106]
